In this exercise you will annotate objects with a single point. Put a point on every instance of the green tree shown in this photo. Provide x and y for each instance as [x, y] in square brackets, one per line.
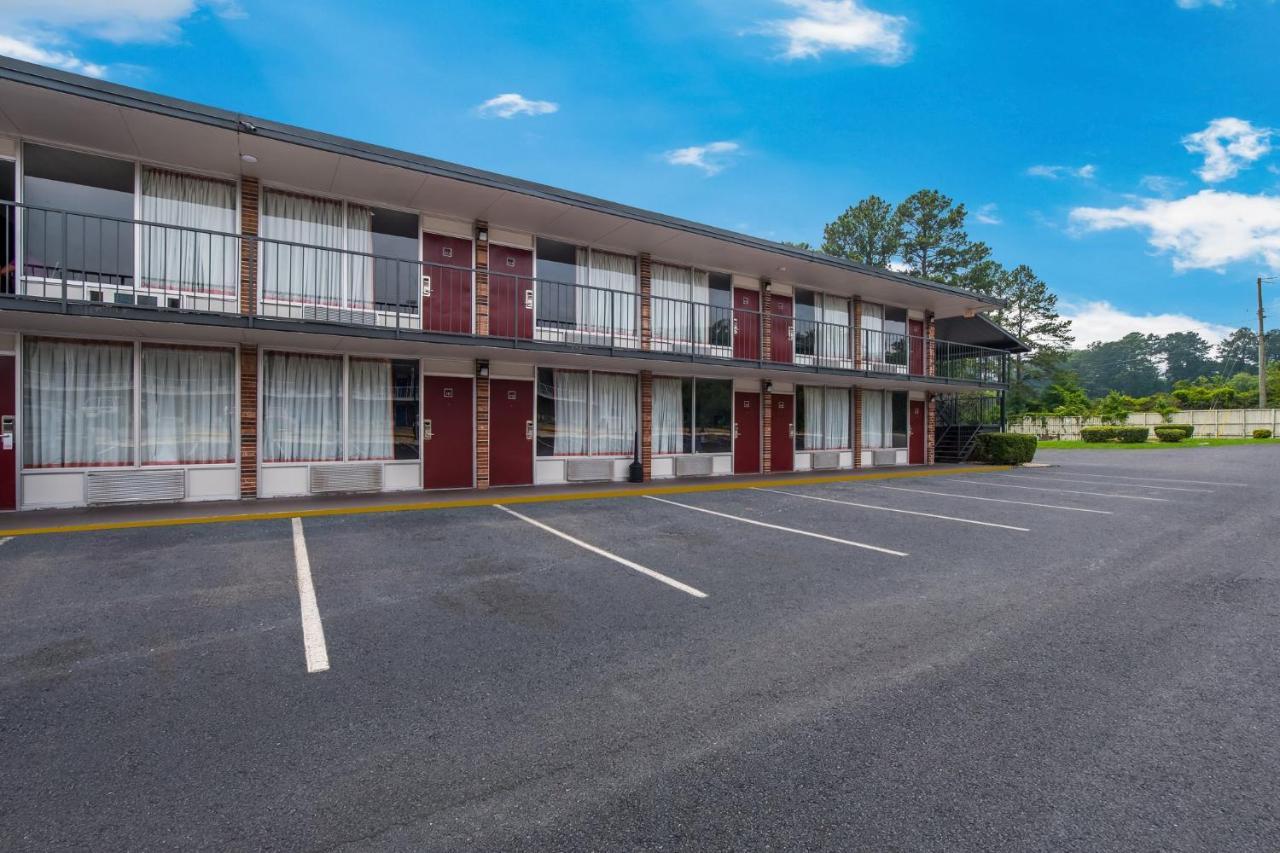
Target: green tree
[799, 244]
[1185, 354]
[934, 243]
[1238, 351]
[870, 232]
[1127, 365]
[1066, 396]
[1031, 315]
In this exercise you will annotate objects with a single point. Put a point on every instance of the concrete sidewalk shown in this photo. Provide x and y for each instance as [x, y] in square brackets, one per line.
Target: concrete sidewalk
[163, 515]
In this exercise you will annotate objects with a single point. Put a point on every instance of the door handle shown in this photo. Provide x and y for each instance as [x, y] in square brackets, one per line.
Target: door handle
[528, 299]
[426, 429]
[528, 430]
[735, 325]
[791, 332]
[6, 432]
[735, 430]
[791, 430]
[426, 286]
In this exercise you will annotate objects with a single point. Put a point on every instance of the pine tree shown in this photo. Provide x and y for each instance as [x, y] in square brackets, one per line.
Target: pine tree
[870, 232]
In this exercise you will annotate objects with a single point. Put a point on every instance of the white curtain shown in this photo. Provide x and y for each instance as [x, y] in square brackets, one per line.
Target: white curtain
[873, 348]
[310, 272]
[613, 413]
[873, 410]
[77, 403]
[617, 308]
[189, 261]
[301, 407]
[571, 413]
[672, 289]
[814, 417]
[359, 264]
[668, 415]
[700, 293]
[371, 413]
[835, 419]
[835, 331]
[188, 405]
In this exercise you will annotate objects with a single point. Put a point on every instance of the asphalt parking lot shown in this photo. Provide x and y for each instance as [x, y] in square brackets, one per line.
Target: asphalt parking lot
[1076, 657]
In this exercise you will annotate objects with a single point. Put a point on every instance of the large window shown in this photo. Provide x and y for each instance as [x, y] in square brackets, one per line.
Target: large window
[8, 226]
[79, 399]
[582, 413]
[193, 248]
[692, 415]
[822, 325]
[586, 290]
[884, 342]
[396, 272]
[822, 418]
[884, 419]
[303, 396]
[81, 219]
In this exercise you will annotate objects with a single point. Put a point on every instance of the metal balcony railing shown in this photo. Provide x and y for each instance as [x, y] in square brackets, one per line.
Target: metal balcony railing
[74, 257]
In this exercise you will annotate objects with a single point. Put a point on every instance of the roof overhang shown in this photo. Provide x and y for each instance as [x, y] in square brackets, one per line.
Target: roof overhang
[979, 331]
[63, 108]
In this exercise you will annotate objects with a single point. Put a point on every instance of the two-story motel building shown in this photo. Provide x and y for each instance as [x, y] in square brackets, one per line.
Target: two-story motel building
[199, 305]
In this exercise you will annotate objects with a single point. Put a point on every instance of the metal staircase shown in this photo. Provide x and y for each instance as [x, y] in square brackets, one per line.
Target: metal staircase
[961, 419]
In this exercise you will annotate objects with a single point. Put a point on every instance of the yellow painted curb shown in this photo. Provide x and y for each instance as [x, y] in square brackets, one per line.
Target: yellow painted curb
[732, 485]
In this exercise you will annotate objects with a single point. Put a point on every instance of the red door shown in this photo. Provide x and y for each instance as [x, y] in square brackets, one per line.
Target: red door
[446, 284]
[746, 324]
[915, 438]
[510, 432]
[915, 346]
[510, 292]
[781, 329]
[782, 433]
[8, 434]
[746, 433]
[447, 408]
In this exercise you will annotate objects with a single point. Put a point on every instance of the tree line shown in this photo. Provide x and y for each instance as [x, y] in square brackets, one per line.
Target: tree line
[924, 236]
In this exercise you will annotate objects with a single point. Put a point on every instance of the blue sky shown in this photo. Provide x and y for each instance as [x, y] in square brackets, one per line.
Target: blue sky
[1122, 150]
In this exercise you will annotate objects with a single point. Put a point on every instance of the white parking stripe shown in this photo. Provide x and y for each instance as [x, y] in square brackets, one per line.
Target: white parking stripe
[586, 546]
[1064, 491]
[780, 527]
[312, 629]
[1056, 479]
[997, 500]
[895, 509]
[1152, 479]
[4, 539]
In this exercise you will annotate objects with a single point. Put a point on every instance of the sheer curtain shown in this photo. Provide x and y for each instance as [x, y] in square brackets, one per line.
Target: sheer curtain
[835, 315]
[835, 419]
[873, 349]
[668, 415]
[700, 294]
[359, 267]
[613, 414]
[301, 407]
[370, 413]
[188, 405]
[174, 259]
[77, 403]
[815, 417]
[571, 413]
[310, 272]
[873, 419]
[616, 273]
[672, 292]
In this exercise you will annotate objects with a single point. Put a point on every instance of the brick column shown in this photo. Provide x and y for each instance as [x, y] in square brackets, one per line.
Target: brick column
[766, 326]
[248, 421]
[931, 351]
[482, 282]
[482, 432]
[857, 427]
[766, 429]
[931, 429]
[646, 423]
[857, 333]
[248, 245]
[645, 264]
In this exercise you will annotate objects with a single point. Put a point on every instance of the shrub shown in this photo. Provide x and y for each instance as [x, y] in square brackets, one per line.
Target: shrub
[1122, 434]
[1262, 433]
[1171, 434]
[1005, 448]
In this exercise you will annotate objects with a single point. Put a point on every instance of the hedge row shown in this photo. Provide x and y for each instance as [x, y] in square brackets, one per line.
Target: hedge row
[1262, 433]
[1122, 434]
[1004, 448]
[1171, 434]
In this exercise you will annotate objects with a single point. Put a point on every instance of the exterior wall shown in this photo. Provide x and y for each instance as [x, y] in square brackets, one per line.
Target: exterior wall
[646, 420]
[857, 422]
[248, 421]
[644, 268]
[249, 193]
[481, 280]
[482, 431]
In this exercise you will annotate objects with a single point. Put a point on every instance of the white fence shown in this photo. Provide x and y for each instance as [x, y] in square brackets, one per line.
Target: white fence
[1209, 423]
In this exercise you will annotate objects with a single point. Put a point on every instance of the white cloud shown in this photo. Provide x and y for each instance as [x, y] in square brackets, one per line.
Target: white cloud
[1208, 230]
[1161, 185]
[1101, 321]
[112, 20]
[1086, 172]
[511, 105]
[844, 26]
[1228, 145]
[29, 52]
[988, 214]
[1197, 4]
[711, 158]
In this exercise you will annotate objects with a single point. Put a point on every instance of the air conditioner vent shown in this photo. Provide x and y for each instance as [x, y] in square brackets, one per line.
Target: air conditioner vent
[348, 316]
[346, 478]
[884, 457]
[116, 487]
[693, 466]
[825, 460]
[588, 470]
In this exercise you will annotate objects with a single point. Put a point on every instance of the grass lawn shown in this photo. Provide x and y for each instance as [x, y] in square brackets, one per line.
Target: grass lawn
[1154, 445]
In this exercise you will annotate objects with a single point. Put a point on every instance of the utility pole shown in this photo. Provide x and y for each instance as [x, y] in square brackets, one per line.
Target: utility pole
[1262, 353]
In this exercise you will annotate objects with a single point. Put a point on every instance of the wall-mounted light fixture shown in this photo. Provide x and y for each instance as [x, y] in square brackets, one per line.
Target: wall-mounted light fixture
[482, 368]
[483, 235]
[248, 158]
[768, 386]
